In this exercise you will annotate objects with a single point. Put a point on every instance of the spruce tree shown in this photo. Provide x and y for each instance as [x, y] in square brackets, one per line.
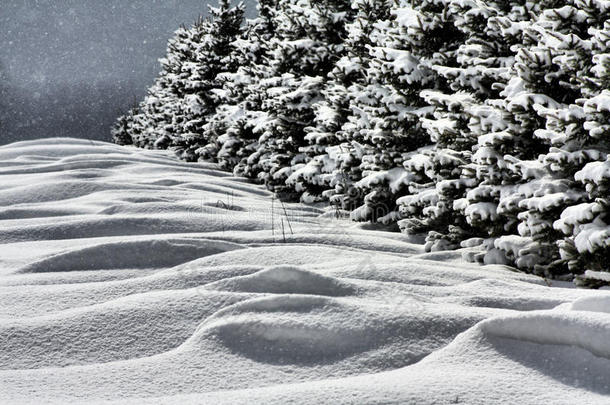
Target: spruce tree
[472, 77]
[203, 93]
[184, 94]
[241, 121]
[586, 247]
[563, 40]
[122, 130]
[308, 41]
[390, 111]
[156, 121]
[504, 122]
[326, 173]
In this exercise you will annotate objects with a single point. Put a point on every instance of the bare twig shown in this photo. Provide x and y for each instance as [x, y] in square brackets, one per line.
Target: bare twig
[286, 215]
[283, 233]
[272, 216]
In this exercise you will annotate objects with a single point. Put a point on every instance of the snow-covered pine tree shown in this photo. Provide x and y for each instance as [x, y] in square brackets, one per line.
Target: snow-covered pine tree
[496, 33]
[241, 120]
[547, 181]
[462, 116]
[504, 125]
[330, 159]
[255, 81]
[473, 76]
[215, 54]
[420, 35]
[122, 130]
[231, 128]
[564, 34]
[587, 247]
[308, 41]
[174, 110]
[159, 116]
[227, 128]
[292, 106]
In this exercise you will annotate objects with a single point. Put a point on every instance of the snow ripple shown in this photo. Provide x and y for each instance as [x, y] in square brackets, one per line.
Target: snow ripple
[127, 276]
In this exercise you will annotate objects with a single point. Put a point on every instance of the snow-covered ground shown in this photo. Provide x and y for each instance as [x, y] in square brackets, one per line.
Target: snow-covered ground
[127, 276]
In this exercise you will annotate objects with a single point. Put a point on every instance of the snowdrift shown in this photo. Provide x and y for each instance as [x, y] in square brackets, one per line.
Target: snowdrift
[128, 277]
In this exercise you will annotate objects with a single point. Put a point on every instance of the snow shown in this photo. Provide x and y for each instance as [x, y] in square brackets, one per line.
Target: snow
[483, 211]
[396, 179]
[577, 214]
[592, 238]
[594, 172]
[127, 276]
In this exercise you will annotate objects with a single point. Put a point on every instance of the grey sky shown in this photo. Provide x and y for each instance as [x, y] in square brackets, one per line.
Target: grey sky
[62, 56]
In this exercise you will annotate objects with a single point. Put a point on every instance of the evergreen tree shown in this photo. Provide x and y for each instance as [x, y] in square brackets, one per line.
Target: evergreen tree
[308, 41]
[203, 93]
[503, 118]
[327, 172]
[548, 185]
[475, 75]
[241, 120]
[122, 130]
[583, 151]
[156, 122]
[391, 110]
[184, 95]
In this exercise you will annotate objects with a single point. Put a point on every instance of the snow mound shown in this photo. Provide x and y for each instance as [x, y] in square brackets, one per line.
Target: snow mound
[588, 331]
[310, 330]
[53, 148]
[592, 304]
[285, 329]
[286, 280]
[126, 328]
[152, 253]
[510, 359]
